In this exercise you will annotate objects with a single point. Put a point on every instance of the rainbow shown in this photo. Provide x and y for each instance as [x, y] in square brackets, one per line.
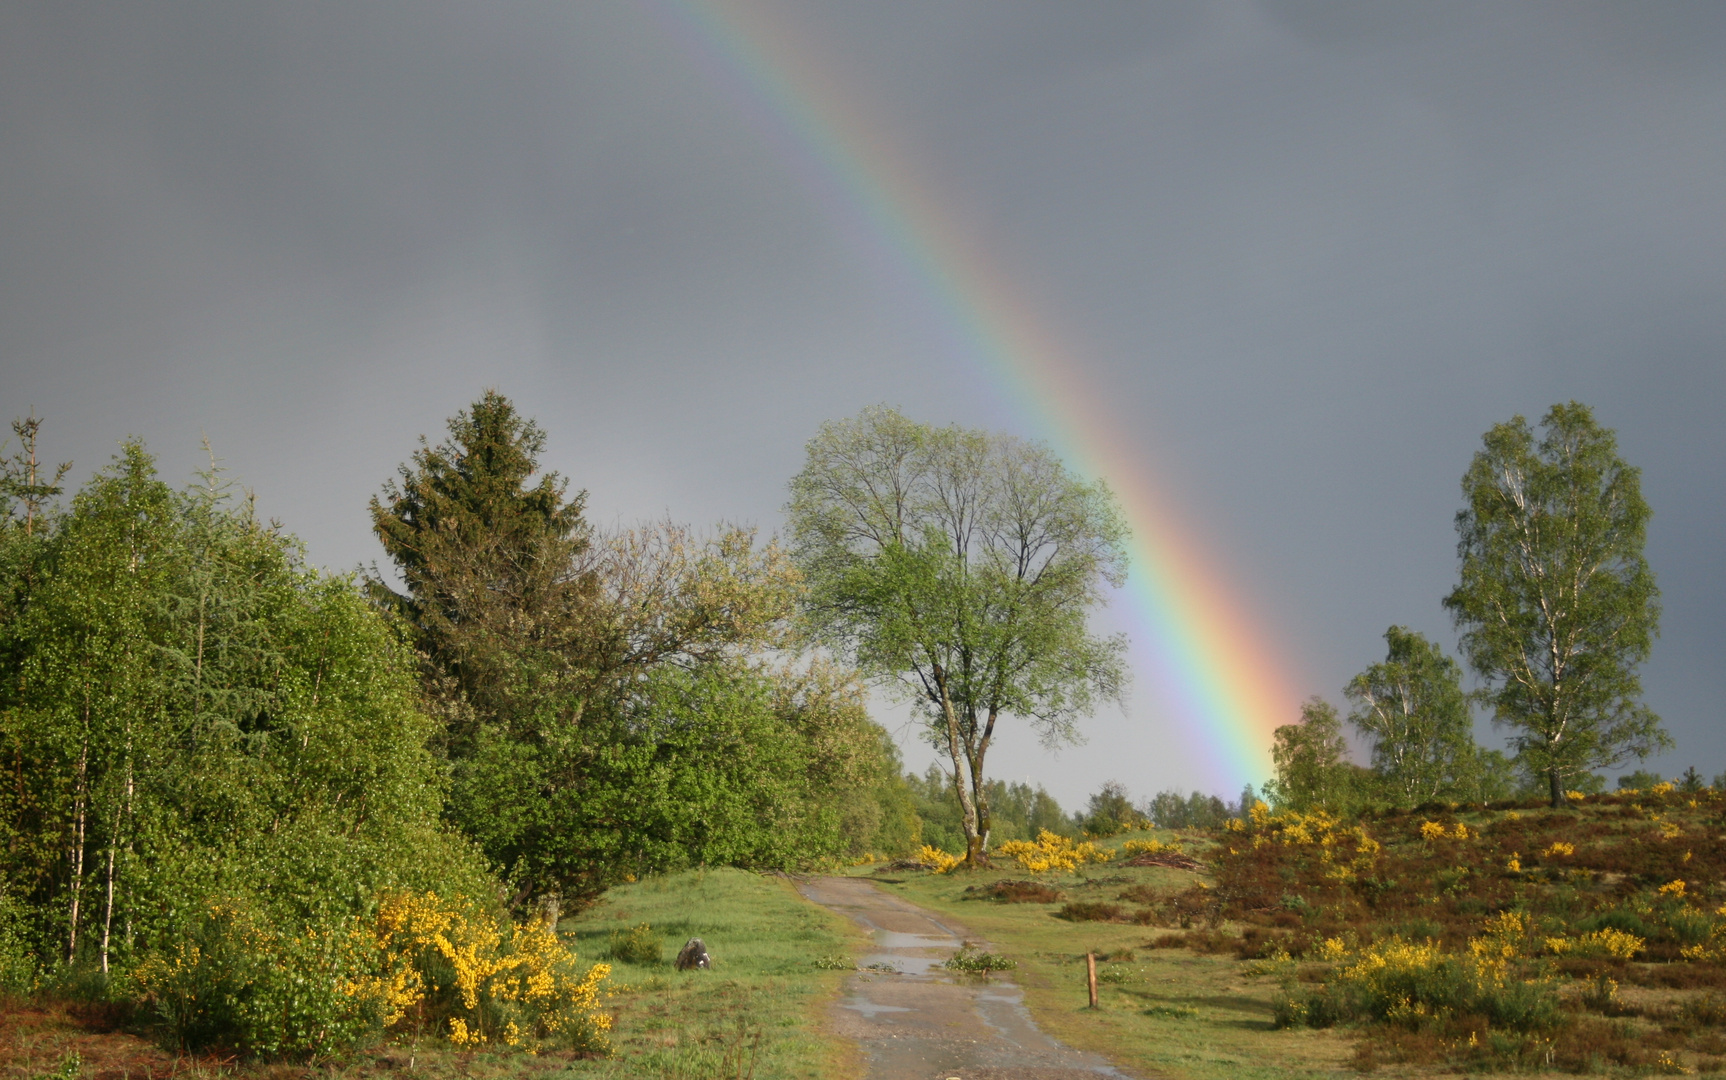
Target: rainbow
[1223, 690]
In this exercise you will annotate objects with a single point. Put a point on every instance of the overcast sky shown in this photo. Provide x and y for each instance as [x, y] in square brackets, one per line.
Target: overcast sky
[1309, 252]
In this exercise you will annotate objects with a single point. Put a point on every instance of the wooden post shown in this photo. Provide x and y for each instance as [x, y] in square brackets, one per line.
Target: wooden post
[1091, 976]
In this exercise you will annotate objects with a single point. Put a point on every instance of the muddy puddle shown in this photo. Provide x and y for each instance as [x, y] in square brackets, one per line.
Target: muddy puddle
[916, 1021]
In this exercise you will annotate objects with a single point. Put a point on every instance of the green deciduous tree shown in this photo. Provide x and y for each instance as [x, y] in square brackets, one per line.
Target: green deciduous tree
[1194, 810]
[605, 695]
[1413, 708]
[1313, 770]
[960, 567]
[190, 716]
[1556, 602]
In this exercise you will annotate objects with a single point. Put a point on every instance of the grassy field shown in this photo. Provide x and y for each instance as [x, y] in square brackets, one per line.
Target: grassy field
[761, 1004]
[1163, 1011]
[1588, 938]
[758, 1012]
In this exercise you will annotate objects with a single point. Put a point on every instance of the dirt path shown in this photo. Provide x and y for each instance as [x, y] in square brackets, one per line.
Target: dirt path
[925, 1024]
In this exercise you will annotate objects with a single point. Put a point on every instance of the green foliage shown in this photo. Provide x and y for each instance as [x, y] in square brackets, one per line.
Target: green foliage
[1195, 810]
[603, 698]
[879, 816]
[234, 981]
[723, 765]
[1313, 770]
[974, 961]
[1640, 780]
[1556, 602]
[1110, 811]
[640, 945]
[959, 567]
[194, 718]
[1017, 811]
[494, 596]
[17, 947]
[1413, 708]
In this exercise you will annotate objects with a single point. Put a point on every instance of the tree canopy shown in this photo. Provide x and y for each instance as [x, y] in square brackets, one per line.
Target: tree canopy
[1556, 602]
[612, 702]
[959, 566]
[1413, 708]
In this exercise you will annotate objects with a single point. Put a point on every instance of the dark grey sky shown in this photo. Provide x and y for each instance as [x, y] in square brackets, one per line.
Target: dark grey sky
[1309, 251]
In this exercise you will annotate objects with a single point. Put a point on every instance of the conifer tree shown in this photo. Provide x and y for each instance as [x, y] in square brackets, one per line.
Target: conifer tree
[488, 556]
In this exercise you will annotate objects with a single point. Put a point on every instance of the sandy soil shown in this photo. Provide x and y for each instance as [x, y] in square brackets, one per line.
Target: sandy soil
[919, 1022]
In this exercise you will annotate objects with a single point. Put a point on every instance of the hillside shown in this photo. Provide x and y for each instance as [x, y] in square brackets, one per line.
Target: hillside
[1587, 938]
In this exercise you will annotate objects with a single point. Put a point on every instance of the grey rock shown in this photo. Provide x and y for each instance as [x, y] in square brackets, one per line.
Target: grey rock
[693, 955]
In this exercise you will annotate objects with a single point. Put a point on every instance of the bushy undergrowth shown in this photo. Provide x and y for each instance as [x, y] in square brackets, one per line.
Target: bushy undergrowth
[1017, 892]
[420, 963]
[1475, 936]
[1414, 984]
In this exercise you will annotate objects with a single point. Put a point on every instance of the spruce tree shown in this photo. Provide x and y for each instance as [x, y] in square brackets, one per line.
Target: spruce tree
[488, 555]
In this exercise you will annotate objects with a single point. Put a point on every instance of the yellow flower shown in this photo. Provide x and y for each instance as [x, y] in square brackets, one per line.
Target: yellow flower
[1664, 787]
[1560, 847]
[1615, 944]
[1673, 888]
[1515, 863]
[1576, 796]
[940, 860]
[1053, 852]
[1432, 830]
[1332, 949]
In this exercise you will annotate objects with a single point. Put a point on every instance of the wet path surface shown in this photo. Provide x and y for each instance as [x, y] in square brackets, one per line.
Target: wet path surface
[923, 1023]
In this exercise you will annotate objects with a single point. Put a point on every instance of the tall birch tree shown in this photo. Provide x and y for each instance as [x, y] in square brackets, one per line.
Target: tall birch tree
[1413, 707]
[1556, 602]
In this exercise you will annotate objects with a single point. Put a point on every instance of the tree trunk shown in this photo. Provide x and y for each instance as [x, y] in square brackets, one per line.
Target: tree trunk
[1557, 794]
[974, 854]
[108, 903]
[77, 855]
[978, 792]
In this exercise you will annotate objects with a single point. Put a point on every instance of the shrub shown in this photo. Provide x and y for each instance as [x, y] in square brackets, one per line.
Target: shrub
[1148, 847]
[238, 980]
[1089, 911]
[1017, 892]
[640, 945]
[936, 859]
[17, 957]
[1605, 944]
[1052, 852]
[1411, 984]
[483, 978]
[976, 962]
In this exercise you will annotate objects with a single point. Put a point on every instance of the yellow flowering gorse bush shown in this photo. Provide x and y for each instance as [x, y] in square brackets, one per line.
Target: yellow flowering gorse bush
[1052, 852]
[498, 982]
[1148, 847]
[1344, 850]
[1605, 944]
[935, 857]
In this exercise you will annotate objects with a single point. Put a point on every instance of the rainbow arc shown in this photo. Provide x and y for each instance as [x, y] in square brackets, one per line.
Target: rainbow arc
[1218, 682]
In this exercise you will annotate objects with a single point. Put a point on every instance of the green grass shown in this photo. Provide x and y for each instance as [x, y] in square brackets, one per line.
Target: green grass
[763, 1002]
[760, 1012]
[1168, 1012]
